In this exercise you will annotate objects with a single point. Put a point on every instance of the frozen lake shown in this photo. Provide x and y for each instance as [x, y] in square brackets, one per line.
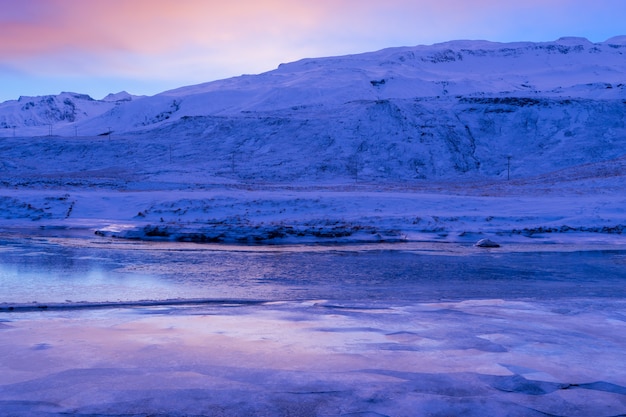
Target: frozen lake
[75, 270]
[397, 330]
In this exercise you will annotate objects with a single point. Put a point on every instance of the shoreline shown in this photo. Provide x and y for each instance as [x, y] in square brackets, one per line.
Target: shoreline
[422, 242]
[280, 215]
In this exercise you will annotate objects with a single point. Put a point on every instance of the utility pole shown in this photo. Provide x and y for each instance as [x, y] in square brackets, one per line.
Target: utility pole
[508, 167]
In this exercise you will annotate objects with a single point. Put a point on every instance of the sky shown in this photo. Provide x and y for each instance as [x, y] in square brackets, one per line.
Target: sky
[145, 47]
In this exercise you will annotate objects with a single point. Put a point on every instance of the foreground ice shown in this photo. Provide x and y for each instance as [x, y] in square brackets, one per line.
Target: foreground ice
[397, 330]
[319, 358]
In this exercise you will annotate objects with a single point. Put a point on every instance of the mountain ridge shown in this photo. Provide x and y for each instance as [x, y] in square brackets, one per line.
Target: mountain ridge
[451, 110]
[516, 142]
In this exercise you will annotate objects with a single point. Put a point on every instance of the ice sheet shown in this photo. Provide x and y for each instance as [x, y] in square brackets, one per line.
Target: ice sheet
[473, 358]
[364, 330]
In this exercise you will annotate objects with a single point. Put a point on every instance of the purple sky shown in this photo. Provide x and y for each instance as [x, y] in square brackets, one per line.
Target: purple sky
[148, 46]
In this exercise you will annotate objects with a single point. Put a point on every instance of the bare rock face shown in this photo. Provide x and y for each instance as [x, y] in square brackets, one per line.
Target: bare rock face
[486, 243]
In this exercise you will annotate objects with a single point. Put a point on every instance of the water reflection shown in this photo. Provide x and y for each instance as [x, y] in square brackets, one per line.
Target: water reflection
[48, 271]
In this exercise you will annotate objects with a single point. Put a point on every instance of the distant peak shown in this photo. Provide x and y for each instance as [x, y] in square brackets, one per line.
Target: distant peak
[75, 95]
[121, 96]
[617, 40]
[466, 44]
[573, 40]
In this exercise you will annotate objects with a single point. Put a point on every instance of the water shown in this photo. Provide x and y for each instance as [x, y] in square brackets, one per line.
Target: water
[356, 330]
[61, 271]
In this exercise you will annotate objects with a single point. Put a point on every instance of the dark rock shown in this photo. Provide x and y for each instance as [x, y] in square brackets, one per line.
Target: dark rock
[486, 243]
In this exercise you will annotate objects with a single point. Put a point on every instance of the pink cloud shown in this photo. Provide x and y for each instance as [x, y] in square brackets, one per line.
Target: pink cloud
[158, 26]
[148, 26]
[150, 38]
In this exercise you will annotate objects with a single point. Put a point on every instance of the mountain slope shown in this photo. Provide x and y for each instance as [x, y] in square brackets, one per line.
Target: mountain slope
[462, 109]
[450, 142]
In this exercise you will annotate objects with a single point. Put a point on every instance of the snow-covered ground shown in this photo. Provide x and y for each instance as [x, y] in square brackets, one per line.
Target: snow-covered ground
[503, 212]
[584, 203]
[453, 141]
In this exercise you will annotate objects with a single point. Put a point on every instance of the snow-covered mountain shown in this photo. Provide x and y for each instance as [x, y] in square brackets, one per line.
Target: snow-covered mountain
[36, 115]
[454, 109]
[331, 147]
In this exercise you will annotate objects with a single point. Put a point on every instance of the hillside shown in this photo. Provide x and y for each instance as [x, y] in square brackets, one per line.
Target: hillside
[442, 111]
[462, 117]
